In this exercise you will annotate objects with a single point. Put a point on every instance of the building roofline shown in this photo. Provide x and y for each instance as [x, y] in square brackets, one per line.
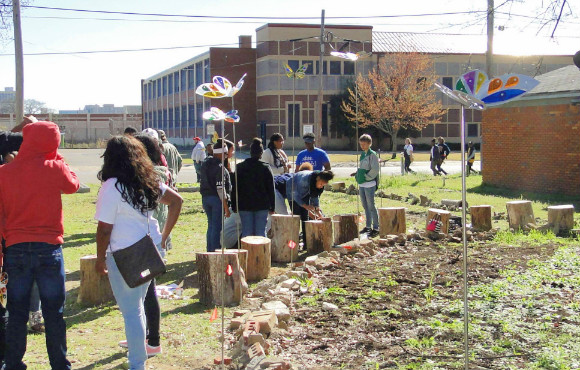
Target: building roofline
[177, 67]
[303, 25]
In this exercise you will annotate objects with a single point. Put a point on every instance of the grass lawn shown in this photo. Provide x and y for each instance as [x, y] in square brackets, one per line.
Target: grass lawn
[189, 340]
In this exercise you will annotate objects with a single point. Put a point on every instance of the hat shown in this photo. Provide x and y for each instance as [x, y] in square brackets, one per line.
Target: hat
[196, 138]
[151, 132]
[308, 138]
[161, 134]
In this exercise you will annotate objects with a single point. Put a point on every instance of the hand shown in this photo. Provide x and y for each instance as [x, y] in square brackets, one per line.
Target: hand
[101, 266]
[227, 212]
[353, 174]
[164, 243]
[309, 208]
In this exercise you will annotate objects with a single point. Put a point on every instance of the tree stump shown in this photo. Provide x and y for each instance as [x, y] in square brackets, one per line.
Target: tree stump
[480, 217]
[445, 215]
[392, 220]
[212, 273]
[520, 213]
[318, 235]
[259, 257]
[561, 218]
[285, 228]
[345, 228]
[95, 288]
[338, 186]
[242, 257]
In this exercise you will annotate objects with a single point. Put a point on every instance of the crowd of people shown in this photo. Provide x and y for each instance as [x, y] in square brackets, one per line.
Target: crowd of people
[138, 198]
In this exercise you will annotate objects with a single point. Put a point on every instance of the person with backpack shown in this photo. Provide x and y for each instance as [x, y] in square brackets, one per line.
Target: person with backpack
[444, 153]
[367, 177]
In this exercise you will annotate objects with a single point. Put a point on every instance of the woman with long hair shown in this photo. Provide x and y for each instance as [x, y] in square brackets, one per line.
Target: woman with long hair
[275, 157]
[408, 154]
[130, 193]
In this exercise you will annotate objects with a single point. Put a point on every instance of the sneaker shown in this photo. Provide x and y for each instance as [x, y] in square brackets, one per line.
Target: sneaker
[153, 351]
[374, 233]
[36, 324]
[123, 343]
[365, 230]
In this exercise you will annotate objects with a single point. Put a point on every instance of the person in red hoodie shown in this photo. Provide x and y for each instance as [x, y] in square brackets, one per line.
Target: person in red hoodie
[31, 222]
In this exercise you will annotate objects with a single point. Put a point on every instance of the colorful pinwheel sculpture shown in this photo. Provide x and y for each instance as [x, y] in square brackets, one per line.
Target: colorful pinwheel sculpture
[497, 90]
[216, 114]
[221, 87]
[300, 72]
[350, 56]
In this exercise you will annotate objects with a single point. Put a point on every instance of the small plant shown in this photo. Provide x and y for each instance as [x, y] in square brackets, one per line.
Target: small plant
[390, 281]
[375, 294]
[335, 291]
[355, 307]
[308, 301]
[430, 292]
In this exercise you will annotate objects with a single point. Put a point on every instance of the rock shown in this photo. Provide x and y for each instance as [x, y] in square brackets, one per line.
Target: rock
[455, 239]
[323, 254]
[311, 260]
[289, 283]
[329, 307]
[359, 255]
[83, 189]
[324, 263]
[414, 200]
[279, 308]
[424, 201]
[297, 275]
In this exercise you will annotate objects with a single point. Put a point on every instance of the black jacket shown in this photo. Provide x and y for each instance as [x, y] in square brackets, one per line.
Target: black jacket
[255, 187]
[211, 178]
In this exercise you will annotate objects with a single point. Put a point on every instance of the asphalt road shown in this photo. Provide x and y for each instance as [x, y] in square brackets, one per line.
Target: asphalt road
[87, 162]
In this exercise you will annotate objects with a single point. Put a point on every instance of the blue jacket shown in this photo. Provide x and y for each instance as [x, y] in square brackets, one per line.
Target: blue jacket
[298, 187]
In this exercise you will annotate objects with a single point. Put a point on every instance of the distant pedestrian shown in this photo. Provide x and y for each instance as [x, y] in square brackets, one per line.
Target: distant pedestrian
[254, 191]
[131, 131]
[316, 156]
[174, 160]
[275, 157]
[408, 154]
[470, 157]
[444, 153]
[198, 155]
[367, 177]
[434, 157]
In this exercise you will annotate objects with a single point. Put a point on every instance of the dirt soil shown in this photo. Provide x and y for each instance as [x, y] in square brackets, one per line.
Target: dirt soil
[385, 303]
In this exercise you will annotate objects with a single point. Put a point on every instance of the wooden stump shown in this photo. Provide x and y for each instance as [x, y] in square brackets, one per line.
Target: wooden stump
[520, 213]
[345, 228]
[392, 220]
[480, 217]
[445, 215]
[318, 235]
[212, 273]
[242, 257]
[561, 218]
[338, 186]
[285, 228]
[259, 257]
[95, 288]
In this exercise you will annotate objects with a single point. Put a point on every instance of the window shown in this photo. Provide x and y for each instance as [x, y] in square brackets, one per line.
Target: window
[177, 117]
[472, 130]
[325, 109]
[206, 75]
[293, 64]
[165, 86]
[164, 120]
[198, 74]
[183, 85]
[159, 119]
[184, 116]
[198, 115]
[154, 84]
[324, 71]
[150, 91]
[170, 121]
[191, 77]
[293, 114]
[309, 66]
[348, 67]
[448, 82]
[176, 82]
[191, 120]
[159, 83]
[334, 67]
[169, 84]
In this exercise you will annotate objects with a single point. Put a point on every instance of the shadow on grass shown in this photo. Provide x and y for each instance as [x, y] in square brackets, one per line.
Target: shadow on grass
[105, 361]
[189, 309]
[485, 189]
[76, 240]
[77, 314]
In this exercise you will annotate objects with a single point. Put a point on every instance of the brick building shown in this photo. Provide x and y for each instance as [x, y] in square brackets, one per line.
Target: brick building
[533, 144]
[267, 104]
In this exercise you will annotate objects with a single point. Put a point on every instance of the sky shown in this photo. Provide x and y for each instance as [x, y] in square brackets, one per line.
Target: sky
[71, 81]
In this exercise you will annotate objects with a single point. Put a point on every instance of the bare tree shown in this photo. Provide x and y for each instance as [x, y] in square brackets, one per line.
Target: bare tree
[32, 106]
[399, 93]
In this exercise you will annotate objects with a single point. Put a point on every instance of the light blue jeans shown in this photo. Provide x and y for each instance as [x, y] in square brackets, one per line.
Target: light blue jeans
[367, 197]
[130, 301]
[254, 222]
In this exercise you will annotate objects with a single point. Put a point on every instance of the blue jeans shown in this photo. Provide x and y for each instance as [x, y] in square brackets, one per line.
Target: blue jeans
[130, 301]
[25, 264]
[197, 166]
[367, 197]
[254, 222]
[213, 207]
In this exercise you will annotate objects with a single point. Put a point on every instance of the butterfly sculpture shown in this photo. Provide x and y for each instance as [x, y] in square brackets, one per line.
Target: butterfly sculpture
[350, 56]
[300, 72]
[497, 90]
[216, 114]
[221, 87]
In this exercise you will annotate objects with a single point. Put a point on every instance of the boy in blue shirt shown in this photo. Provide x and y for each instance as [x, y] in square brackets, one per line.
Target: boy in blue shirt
[315, 156]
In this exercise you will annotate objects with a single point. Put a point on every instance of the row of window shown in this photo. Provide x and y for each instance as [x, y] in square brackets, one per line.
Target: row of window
[185, 79]
[332, 67]
[184, 116]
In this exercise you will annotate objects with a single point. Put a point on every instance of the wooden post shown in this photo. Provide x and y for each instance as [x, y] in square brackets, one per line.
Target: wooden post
[95, 288]
[480, 217]
[392, 221]
[318, 235]
[345, 228]
[561, 218]
[444, 218]
[285, 228]
[212, 272]
[259, 257]
[520, 213]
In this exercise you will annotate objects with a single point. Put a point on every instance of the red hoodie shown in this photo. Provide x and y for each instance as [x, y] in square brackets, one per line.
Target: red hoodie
[31, 188]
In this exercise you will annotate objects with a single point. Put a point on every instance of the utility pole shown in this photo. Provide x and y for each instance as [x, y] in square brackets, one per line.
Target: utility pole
[489, 53]
[19, 97]
[318, 125]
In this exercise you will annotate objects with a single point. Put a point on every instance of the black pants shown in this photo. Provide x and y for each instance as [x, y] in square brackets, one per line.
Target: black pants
[439, 163]
[152, 314]
[408, 163]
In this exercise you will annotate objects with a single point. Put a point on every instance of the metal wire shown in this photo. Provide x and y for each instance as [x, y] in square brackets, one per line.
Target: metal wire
[237, 184]
[222, 237]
